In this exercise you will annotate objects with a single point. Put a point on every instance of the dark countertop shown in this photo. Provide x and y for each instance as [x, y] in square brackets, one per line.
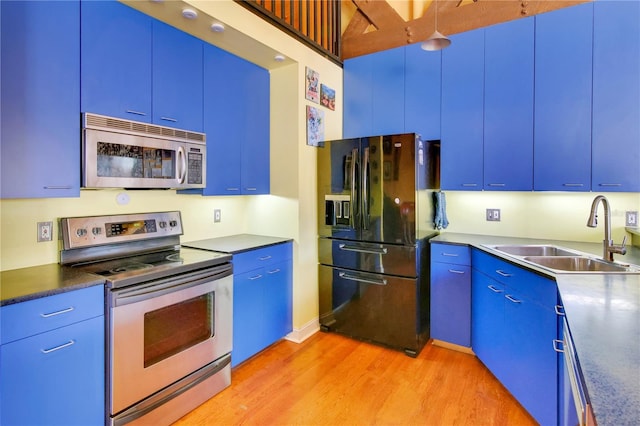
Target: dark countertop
[235, 244]
[21, 285]
[603, 312]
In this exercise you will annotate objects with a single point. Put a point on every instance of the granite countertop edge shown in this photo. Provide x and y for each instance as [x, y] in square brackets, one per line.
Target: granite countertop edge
[608, 353]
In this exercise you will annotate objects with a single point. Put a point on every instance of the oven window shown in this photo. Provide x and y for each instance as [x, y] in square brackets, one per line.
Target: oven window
[175, 328]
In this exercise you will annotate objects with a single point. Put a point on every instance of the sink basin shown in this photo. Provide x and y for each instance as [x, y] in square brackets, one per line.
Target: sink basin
[535, 250]
[579, 264]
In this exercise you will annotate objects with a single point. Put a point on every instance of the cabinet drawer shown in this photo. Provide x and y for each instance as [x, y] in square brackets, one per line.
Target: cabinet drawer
[528, 284]
[47, 313]
[260, 258]
[451, 253]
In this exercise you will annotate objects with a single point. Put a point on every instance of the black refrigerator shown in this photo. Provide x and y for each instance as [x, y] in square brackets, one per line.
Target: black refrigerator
[375, 217]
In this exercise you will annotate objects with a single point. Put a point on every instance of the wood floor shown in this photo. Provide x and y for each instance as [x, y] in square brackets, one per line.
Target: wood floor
[333, 380]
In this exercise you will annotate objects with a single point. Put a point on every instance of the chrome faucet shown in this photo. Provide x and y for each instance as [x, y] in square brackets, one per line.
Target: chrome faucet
[608, 247]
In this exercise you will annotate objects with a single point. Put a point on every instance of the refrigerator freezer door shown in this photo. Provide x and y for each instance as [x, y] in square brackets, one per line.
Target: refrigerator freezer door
[378, 308]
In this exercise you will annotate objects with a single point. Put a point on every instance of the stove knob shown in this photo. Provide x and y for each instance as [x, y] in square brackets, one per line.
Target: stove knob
[96, 231]
[162, 224]
[173, 223]
[81, 232]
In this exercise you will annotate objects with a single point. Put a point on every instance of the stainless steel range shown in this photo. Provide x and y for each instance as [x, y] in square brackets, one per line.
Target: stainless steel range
[169, 313]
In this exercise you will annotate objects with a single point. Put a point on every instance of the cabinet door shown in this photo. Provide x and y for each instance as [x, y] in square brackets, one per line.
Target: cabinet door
[40, 99]
[487, 319]
[55, 378]
[616, 96]
[563, 78]
[177, 78]
[255, 165]
[115, 61]
[531, 365]
[462, 112]
[277, 296]
[508, 106]
[451, 303]
[422, 92]
[248, 308]
[358, 97]
[387, 92]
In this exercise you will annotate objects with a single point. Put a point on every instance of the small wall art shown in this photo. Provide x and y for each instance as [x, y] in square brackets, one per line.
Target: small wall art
[315, 126]
[327, 97]
[312, 82]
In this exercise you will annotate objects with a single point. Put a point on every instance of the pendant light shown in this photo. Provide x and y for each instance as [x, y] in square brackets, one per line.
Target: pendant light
[437, 40]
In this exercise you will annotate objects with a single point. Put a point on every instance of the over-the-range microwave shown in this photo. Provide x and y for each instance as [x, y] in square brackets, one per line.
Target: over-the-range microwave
[118, 153]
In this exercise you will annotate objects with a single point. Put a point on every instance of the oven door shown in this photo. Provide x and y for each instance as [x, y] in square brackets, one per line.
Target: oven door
[121, 160]
[164, 330]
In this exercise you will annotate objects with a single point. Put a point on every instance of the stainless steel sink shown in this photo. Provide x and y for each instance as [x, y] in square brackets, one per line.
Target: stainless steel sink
[579, 264]
[535, 250]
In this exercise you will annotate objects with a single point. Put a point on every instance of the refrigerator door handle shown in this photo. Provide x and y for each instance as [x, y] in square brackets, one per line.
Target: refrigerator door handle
[355, 277]
[372, 250]
[365, 189]
[353, 204]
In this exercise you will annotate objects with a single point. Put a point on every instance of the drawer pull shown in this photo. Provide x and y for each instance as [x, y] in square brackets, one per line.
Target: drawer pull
[455, 271]
[493, 289]
[264, 258]
[357, 249]
[555, 345]
[53, 314]
[57, 348]
[512, 299]
[450, 254]
[275, 271]
[559, 310]
[504, 274]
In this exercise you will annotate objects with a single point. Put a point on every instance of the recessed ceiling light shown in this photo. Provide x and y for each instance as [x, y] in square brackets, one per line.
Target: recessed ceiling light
[279, 58]
[217, 27]
[189, 13]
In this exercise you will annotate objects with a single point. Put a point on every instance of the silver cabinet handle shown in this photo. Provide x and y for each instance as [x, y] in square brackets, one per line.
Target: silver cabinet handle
[559, 310]
[373, 250]
[493, 289]
[449, 254]
[255, 277]
[455, 271]
[53, 314]
[251, 188]
[610, 184]
[57, 348]
[497, 184]
[173, 120]
[512, 299]
[504, 274]
[58, 187]
[573, 184]
[469, 184]
[130, 111]
[274, 271]
[555, 346]
[362, 279]
[263, 258]
[233, 189]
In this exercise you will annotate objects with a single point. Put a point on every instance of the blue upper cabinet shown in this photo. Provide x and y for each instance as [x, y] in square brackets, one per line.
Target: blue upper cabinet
[236, 121]
[40, 99]
[563, 77]
[388, 92]
[616, 97]
[358, 97]
[462, 112]
[116, 61]
[422, 92]
[177, 78]
[508, 106]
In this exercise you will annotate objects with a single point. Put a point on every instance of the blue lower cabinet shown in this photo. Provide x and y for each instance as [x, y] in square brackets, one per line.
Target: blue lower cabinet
[55, 378]
[262, 300]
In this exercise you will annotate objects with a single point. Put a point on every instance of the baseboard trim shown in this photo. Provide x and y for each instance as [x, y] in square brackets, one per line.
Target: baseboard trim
[452, 346]
[299, 335]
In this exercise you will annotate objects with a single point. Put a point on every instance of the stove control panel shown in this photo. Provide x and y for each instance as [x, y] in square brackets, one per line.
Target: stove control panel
[82, 232]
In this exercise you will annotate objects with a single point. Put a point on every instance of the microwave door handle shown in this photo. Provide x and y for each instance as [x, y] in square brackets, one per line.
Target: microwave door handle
[365, 189]
[181, 165]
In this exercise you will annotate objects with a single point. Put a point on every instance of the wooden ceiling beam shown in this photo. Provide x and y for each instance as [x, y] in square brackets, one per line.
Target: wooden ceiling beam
[452, 19]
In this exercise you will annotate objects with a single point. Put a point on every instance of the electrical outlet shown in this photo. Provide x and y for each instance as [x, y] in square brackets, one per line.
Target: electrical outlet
[217, 215]
[631, 218]
[44, 231]
[493, 215]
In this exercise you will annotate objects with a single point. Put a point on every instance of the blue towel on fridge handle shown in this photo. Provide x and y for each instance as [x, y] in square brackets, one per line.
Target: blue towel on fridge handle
[440, 221]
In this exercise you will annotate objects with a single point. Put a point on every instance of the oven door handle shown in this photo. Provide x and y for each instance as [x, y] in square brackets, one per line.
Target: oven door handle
[168, 285]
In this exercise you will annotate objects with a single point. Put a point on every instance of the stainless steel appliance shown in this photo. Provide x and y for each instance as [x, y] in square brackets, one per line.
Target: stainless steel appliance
[119, 153]
[375, 219]
[169, 313]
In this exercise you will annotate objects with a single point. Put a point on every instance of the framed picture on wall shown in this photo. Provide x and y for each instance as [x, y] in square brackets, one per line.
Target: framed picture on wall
[315, 126]
[327, 97]
[312, 82]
